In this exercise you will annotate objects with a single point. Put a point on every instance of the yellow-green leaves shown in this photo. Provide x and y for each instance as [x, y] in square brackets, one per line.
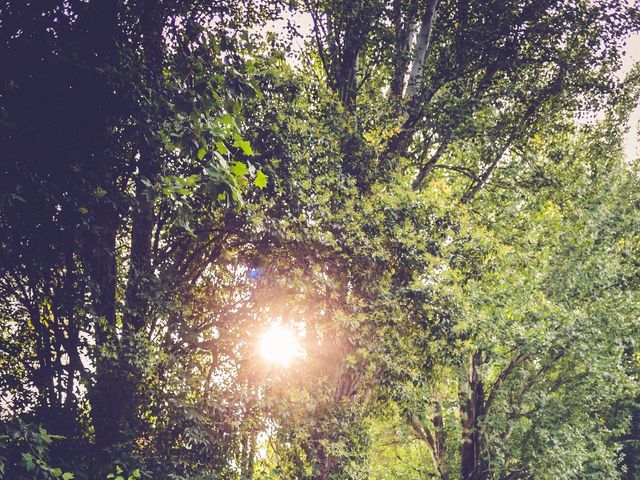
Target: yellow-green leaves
[242, 144]
[179, 186]
[239, 169]
[261, 179]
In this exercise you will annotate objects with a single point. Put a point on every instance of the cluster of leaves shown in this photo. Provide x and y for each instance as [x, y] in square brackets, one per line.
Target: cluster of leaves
[550, 325]
[406, 192]
[25, 453]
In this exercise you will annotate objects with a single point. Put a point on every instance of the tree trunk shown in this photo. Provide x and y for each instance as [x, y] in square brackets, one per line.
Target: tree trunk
[140, 274]
[632, 449]
[139, 284]
[472, 465]
[423, 45]
[440, 444]
[436, 441]
[404, 23]
[106, 396]
[346, 69]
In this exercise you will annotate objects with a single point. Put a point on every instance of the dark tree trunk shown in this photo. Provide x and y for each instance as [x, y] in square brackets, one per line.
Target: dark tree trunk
[472, 465]
[140, 275]
[106, 396]
[632, 449]
[346, 83]
[440, 445]
[45, 373]
[114, 397]
[140, 281]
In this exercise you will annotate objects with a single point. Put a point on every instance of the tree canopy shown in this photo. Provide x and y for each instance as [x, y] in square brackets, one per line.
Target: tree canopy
[420, 209]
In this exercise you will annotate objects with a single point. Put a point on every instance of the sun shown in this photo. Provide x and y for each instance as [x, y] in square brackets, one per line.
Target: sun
[279, 345]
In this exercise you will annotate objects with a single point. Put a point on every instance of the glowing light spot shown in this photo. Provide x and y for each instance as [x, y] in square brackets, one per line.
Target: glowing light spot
[254, 273]
[279, 345]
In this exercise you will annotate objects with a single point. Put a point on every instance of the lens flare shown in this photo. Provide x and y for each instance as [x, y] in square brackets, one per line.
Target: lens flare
[279, 345]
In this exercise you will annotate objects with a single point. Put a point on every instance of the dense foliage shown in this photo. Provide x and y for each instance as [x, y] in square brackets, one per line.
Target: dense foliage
[418, 188]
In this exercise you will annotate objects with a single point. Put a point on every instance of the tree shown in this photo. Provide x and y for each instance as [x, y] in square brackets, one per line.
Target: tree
[548, 320]
[135, 108]
[467, 96]
[175, 180]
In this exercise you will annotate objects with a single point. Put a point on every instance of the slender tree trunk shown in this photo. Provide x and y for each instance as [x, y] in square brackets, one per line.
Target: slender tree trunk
[472, 465]
[440, 443]
[347, 86]
[139, 284]
[632, 450]
[404, 24]
[423, 45]
[346, 70]
[106, 395]
[463, 20]
[436, 441]
[115, 396]
[99, 244]
[44, 375]
[69, 296]
[140, 275]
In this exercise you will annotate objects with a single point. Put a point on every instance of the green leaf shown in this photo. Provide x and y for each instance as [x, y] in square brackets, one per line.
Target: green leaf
[67, 476]
[221, 147]
[239, 169]
[46, 438]
[261, 179]
[244, 145]
[201, 153]
[228, 121]
[27, 458]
